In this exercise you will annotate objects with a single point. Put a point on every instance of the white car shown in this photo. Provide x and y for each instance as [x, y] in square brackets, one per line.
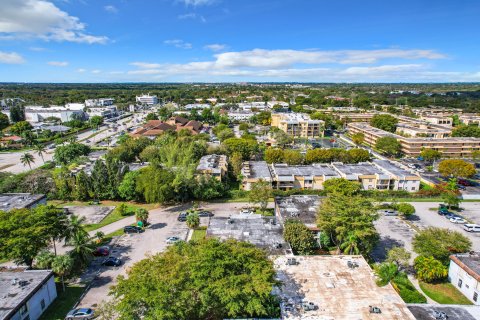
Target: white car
[171, 240]
[457, 220]
[246, 211]
[471, 227]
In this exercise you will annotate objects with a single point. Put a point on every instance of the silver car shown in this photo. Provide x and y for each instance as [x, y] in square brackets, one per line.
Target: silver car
[82, 313]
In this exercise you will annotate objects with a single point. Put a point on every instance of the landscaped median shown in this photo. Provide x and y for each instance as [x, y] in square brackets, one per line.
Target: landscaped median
[199, 233]
[444, 293]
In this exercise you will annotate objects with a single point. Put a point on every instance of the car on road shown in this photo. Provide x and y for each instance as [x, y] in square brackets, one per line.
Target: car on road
[457, 220]
[81, 313]
[102, 251]
[171, 240]
[205, 214]
[471, 227]
[132, 229]
[112, 262]
[182, 217]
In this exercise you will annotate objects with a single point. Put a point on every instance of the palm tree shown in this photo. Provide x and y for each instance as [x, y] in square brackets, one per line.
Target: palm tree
[100, 236]
[83, 247]
[74, 227]
[40, 149]
[62, 265]
[350, 245]
[44, 260]
[27, 159]
[141, 215]
[385, 272]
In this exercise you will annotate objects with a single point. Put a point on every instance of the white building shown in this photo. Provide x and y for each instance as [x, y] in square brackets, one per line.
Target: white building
[106, 112]
[25, 294]
[147, 99]
[464, 274]
[271, 104]
[197, 106]
[241, 115]
[102, 102]
[67, 113]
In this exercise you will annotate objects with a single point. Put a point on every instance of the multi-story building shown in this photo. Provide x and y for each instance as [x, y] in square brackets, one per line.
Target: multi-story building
[147, 99]
[464, 274]
[468, 119]
[106, 112]
[459, 147]
[438, 119]
[240, 115]
[378, 175]
[213, 165]
[298, 125]
[102, 102]
[25, 294]
[423, 130]
[67, 113]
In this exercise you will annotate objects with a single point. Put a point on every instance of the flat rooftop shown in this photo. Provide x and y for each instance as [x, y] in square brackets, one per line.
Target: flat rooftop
[211, 162]
[313, 170]
[257, 170]
[337, 290]
[9, 201]
[361, 168]
[16, 285]
[393, 168]
[264, 232]
[300, 207]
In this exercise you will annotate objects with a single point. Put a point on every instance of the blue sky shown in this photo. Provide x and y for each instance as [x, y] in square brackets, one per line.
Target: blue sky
[239, 40]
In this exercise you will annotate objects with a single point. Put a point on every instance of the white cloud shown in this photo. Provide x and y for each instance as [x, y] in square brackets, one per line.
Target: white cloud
[11, 58]
[42, 19]
[58, 63]
[187, 16]
[37, 49]
[96, 71]
[196, 3]
[146, 65]
[81, 70]
[178, 43]
[111, 9]
[215, 47]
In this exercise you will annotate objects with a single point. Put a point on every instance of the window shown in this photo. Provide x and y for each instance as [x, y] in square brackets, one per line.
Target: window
[475, 296]
[42, 304]
[413, 188]
[460, 283]
[23, 310]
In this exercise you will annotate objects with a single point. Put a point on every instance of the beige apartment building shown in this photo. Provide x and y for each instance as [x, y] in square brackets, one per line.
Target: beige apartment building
[298, 125]
[423, 130]
[213, 165]
[438, 119]
[469, 119]
[453, 147]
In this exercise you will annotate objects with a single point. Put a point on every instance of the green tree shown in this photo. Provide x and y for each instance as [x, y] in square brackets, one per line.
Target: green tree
[82, 186]
[385, 272]
[456, 168]
[282, 139]
[400, 256]
[358, 138]
[225, 134]
[66, 154]
[122, 209]
[155, 184]
[74, 226]
[344, 217]
[243, 126]
[44, 260]
[384, 122]
[429, 269]
[440, 243]
[236, 162]
[96, 121]
[274, 155]
[17, 114]
[19, 128]
[27, 159]
[475, 155]
[466, 131]
[3, 121]
[40, 150]
[342, 186]
[299, 237]
[100, 181]
[151, 116]
[142, 214]
[127, 188]
[260, 193]
[451, 199]
[62, 266]
[430, 154]
[405, 209]
[350, 245]
[292, 157]
[357, 155]
[388, 145]
[212, 280]
[246, 147]
[82, 248]
[193, 220]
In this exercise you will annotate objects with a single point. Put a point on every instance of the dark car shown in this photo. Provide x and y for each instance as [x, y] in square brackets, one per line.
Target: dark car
[459, 186]
[466, 183]
[443, 211]
[132, 229]
[112, 262]
[205, 214]
[82, 313]
[182, 217]
[102, 251]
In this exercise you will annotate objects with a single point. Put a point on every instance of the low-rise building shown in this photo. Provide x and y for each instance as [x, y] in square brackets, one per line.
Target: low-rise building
[334, 287]
[458, 147]
[25, 294]
[39, 114]
[9, 201]
[254, 171]
[264, 232]
[423, 130]
[469, 119]
[303, 208]
[105, 112]
[102, 102]
[437, 119]
[240, 115]
[298, 125]
[286, 177]
[213, 165]
[464, 274]
[197, 106]
[147, 99]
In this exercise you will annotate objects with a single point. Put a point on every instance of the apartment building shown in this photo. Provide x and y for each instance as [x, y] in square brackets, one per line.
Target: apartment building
[102, 102]
[464, 274]
[298, 125]
[356, 117]
[375, 175]
[469, 119]
[423, 130]
[458, 147]
[438, 119]
[213, 165]
[240, 115]
[146, 99]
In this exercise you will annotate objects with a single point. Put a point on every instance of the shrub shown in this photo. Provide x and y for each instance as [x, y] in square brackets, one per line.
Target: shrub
[429, 269]
[406, 290]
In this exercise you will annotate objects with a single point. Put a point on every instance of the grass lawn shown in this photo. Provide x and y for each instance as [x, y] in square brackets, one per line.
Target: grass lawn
[444, 293]
[64, 302]
[199, 233]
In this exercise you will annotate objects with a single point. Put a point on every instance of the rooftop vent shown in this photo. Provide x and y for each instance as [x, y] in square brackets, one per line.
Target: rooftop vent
[352, 264]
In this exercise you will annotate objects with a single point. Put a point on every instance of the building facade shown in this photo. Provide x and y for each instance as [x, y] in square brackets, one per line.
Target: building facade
[298, 125]
[464, 274]
[147, 99]
[102, 102]
[213, 165]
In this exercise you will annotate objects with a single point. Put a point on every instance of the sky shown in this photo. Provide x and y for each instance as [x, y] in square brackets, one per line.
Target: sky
[239, 41]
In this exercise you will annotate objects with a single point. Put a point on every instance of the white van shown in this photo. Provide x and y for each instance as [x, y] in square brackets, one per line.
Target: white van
[471, 227]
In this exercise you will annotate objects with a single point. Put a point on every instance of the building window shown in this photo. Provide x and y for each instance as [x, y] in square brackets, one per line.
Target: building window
[23, 310]
[42, 304]
[475, 296]
[460, 283]
[413, 188]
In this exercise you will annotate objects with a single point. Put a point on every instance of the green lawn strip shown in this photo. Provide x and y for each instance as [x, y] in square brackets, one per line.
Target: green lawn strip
[64, 302]
[444, 293]
[199, 233]
[407, 290]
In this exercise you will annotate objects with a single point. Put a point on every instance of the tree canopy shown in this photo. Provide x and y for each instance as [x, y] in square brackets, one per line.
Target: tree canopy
[456, 168]
[388, 145]
[385, 122]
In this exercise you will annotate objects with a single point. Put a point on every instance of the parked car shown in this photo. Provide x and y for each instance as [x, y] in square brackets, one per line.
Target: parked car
[102, 251]
[132, 229]
[450, 216]
[246, 211]
[182, 217]
[459, 186]
[471, 227]
[82, 313]
[205, 214]
[388, 212]
[464, 182]
[443, 211]
[112, 262]
[457, 220]
[171, 240]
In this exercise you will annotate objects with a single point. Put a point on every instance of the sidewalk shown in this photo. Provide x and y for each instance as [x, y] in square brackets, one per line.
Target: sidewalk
[415, 283]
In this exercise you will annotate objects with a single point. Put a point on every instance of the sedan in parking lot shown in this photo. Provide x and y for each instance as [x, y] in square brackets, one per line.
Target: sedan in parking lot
[171, 240]
[82, 313]
[112, 262]
[102, 251]
[132, 229]
[205, 214]
[182, 217]
[457, 220]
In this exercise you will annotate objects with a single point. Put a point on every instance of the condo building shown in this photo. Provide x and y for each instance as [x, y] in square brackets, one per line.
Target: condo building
[146, 99]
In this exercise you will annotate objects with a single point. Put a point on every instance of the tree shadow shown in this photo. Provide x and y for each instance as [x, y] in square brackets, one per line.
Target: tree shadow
[379, 253]
[159, 225]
